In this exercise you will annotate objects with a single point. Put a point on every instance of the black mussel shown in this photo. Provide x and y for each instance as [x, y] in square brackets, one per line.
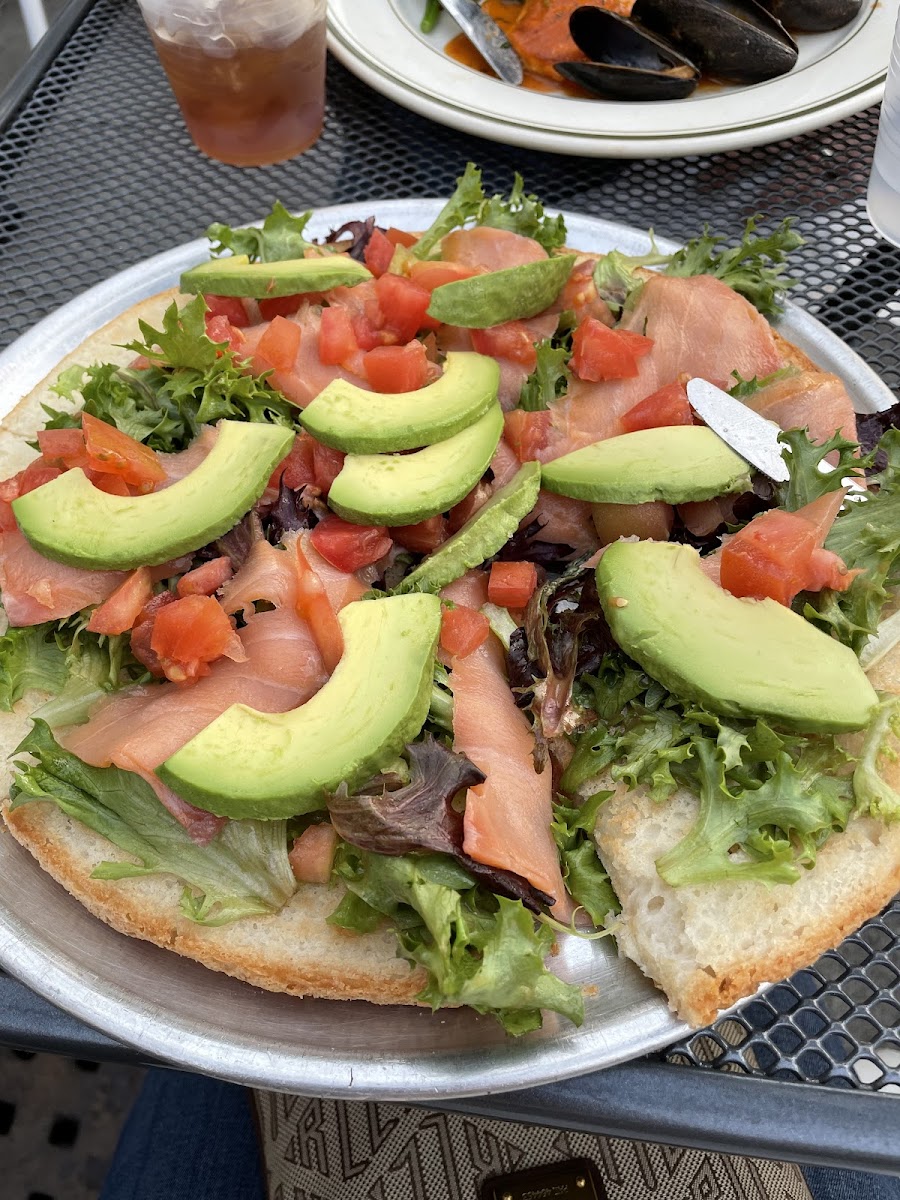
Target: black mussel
[737, 40]
[813, 16]
[627, 62]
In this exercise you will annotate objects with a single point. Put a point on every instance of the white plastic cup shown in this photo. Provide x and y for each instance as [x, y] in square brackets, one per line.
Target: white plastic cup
[248, 75]
[883, 200]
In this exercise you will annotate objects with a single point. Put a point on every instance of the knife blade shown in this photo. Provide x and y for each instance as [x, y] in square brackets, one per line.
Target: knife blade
[487, 37]
[745, 431]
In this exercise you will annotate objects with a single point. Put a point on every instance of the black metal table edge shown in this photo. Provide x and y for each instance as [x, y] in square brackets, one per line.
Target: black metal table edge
[23, 83]
[647, 1100]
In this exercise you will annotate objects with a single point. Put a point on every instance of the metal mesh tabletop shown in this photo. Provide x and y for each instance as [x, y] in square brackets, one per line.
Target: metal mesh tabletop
[97, 173]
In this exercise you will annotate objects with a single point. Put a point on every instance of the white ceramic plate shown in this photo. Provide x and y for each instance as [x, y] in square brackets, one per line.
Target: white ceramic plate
[838, 74]
[174, 1009]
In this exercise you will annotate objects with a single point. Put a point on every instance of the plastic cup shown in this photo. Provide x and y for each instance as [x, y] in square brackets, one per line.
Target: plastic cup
[883, 201]
[248, 75]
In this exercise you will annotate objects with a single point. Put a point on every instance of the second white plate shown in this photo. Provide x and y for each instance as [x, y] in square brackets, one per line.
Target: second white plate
[838, 74]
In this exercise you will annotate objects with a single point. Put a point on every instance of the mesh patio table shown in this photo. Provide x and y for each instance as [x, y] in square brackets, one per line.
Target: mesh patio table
[810, 1069]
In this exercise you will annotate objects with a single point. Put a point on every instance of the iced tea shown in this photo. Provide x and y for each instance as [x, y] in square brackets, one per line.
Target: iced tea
[250, 93]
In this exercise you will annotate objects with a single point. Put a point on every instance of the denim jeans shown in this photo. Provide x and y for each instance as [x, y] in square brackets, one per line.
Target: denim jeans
[191, 1138]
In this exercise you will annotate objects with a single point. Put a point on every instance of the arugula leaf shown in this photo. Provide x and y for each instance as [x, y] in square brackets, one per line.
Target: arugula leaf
[244, 871]
[808, 480]
[523, 214]
[586, 879]
[754, 268]
[462, 207]
[549, 378]
[281, 237]
[478, 949]
[189, 385]
[874, 795]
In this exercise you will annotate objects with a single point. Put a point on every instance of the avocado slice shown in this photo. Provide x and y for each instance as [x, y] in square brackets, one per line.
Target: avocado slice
[508, 295]
[401, 489]
[481, 536]
[349, 418]
[740, 658]
[73, 522]
[236, 275]
[273, 765]
[676, 464]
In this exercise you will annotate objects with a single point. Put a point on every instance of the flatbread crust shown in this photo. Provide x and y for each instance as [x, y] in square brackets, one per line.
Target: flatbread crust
[706, 947]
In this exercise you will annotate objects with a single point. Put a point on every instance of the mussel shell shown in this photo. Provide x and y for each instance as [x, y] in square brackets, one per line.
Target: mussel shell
[628, 83]
[813, 16]
[627, 62]
[737, 40]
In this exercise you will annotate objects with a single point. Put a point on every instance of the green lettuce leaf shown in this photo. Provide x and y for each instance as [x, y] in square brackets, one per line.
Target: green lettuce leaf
[585, 876]
[462, 207]
[280, 237]
[874, 795]
[743, 388]
[804, 459]
[775, 797]
[616, 276]
[478, 949]
[189, 385]
[243, 872]
[549, 378]
[30, 658]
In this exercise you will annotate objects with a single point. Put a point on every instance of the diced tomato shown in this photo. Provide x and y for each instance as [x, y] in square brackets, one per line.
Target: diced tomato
[527, 432]
[113, 485]
[280, 343]
[511, 584]
[463, 630]
[315, 608]
[7, 520]
[297, 469]
[189, 635]
[206, 579]
[378, 253]
[230, 307]
[399, 237]
[403, 305]
[599, 353]
[63, 446]
[423, 537]
[219, 329]
[312, 854]
[431, 275]
[115, 453]
[510, 340]
[668, 406]
[336, 338]
[327, 464]
[780, 554]
[349, 547]
[579, 295]
[35, 475]
[284, 306]
[120, 611]
[397, 368]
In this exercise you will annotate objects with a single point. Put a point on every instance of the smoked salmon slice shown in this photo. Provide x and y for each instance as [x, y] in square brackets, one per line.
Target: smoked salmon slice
[507, 821]
[303, 381]
[35, 589]
[810, 400]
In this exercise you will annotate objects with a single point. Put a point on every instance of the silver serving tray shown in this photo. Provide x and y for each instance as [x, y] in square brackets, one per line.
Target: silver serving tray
[173, 1009]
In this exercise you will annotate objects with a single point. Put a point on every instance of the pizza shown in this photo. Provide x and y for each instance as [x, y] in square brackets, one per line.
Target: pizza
[380, 613]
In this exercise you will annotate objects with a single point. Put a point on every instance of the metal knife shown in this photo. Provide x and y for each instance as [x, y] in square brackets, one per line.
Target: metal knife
[487, 37]
[745, 431]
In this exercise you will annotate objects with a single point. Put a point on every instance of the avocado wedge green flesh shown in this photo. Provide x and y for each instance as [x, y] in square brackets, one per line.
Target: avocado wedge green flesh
[512, 294]
[677, 464]
[740, 658]
[482, 535]
[237, 276]
[401, 489]
[349, 418]
[274, 765]
[73, 522]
